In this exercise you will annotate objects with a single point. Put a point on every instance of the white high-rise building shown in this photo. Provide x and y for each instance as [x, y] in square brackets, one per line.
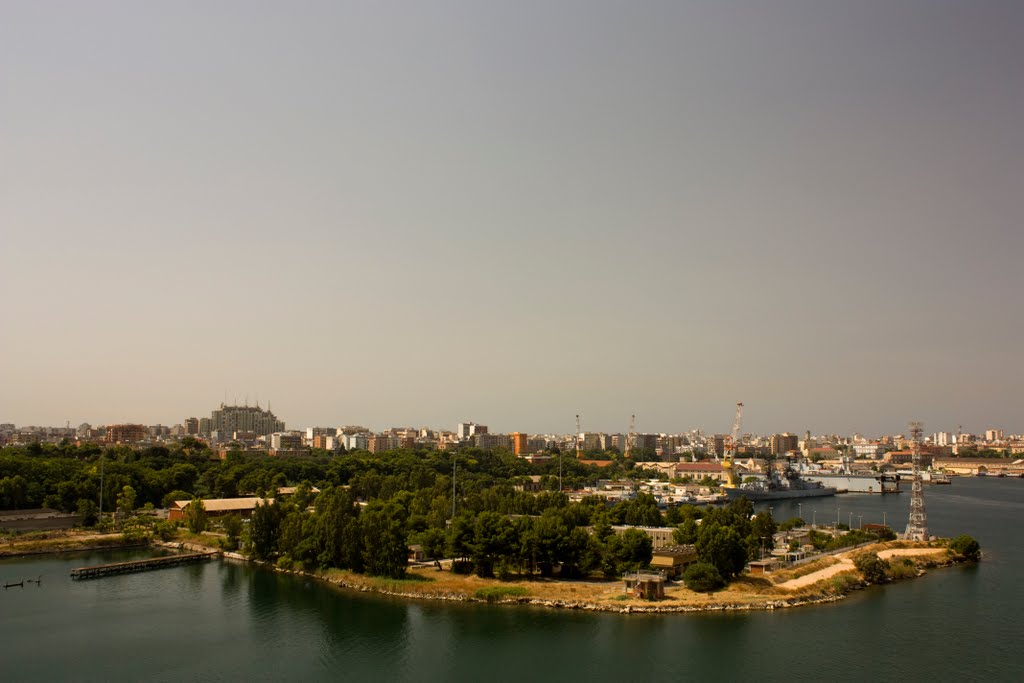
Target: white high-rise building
[469, 429]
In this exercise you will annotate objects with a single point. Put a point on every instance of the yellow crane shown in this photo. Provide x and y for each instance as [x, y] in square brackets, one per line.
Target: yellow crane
[730, 449]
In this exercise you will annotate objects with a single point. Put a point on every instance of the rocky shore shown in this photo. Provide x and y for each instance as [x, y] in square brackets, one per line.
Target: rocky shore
[824, 591]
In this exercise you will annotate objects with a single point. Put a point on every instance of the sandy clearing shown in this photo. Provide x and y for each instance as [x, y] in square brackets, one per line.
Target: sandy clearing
[896, 552]
[845, 564]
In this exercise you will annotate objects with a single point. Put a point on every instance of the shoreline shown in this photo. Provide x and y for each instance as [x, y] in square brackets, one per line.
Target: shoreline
[821, 591]
[833, 583]
[68, 544]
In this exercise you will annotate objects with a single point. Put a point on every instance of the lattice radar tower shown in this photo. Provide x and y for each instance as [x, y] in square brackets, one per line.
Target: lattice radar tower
[917, 526]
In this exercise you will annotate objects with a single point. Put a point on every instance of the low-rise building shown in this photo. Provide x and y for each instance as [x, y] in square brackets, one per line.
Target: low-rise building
[219, 507]
[673, 560]
[661, 536]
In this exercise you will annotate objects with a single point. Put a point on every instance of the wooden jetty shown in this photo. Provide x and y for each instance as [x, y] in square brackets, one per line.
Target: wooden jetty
[139, 565]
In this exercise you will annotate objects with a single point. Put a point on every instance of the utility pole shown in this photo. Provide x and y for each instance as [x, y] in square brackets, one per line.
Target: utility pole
[453, 487]
[101, 487]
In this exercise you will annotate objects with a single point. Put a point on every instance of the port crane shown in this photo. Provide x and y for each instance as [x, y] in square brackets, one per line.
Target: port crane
[728, 461]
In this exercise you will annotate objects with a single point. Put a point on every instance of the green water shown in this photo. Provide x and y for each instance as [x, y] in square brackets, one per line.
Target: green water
[226, 621]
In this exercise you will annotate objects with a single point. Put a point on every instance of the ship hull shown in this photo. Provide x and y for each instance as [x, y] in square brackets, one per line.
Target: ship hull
[779, 494]
[855, 483]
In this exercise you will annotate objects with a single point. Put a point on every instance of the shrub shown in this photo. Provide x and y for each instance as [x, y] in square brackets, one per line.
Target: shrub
[165, 529]
[842, 583]
[872, 568]
[902, 570]
[966, 545]
[496, 593]
[791, 523]
[703, 577]
[195, 517]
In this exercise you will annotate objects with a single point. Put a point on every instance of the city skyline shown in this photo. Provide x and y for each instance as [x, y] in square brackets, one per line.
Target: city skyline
[417, 215]
[495, 426]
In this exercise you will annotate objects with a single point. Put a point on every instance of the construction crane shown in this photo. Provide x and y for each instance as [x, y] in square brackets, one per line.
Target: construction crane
[631, 437]
[730, 449]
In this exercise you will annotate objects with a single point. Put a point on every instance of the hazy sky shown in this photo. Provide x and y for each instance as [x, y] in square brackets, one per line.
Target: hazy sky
[416, 213]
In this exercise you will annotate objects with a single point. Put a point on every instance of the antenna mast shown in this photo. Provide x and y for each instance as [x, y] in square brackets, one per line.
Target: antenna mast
[577, 436]
[631, 437]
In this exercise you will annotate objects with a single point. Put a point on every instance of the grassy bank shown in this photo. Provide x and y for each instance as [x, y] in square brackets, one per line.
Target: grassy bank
[744, 593]
[45, 542]
[838, 578]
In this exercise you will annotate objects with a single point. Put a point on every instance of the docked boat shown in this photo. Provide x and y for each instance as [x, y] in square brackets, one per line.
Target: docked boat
[780, 486]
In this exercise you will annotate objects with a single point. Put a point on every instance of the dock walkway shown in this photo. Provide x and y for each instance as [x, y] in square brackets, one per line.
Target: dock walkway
[139, 565]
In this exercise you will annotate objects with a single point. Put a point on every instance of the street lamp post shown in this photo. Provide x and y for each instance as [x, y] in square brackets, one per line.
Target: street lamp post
[814, 517]
[850, 522]
[860, 521]
[800, 510]
[100, 517]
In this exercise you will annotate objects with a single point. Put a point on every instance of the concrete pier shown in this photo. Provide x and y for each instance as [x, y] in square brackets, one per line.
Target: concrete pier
[139, 565]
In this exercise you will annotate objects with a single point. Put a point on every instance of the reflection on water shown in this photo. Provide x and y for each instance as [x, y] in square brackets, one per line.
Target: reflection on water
[231, 621]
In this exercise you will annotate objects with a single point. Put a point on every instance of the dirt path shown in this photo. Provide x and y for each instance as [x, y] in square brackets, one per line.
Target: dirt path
[845, 564]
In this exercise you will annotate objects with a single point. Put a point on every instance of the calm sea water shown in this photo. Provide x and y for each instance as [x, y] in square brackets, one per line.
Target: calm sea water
[226, 621]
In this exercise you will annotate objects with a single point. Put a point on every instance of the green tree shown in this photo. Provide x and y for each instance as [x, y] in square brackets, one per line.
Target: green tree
[303, 495]
[335, 545]
[460, 541]
[702, 577]
[433, 541]
[635, 551]
[195, 516]
[491, 541]
[126, 501]
[264, 530]
[88, 510]
[762, 535]
[642, 511]
[791, 523]
[297, 537]
[385, 551]
[872, 568]
[232, 525]
[722, 547]
[686, 533]
[169, 499]
[967, 546]
[13, 492]
[165, 529]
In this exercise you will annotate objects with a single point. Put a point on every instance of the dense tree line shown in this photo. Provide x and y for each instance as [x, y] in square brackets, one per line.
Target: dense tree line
[373, 506]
